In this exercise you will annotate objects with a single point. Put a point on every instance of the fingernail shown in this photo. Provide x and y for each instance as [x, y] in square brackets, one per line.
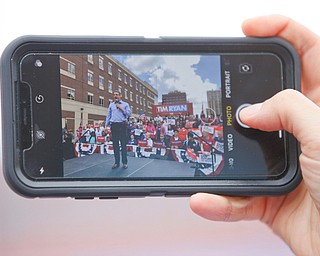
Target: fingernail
[250, 110]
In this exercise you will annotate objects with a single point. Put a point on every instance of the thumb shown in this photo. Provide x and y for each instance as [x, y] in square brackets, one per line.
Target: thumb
[291, 111]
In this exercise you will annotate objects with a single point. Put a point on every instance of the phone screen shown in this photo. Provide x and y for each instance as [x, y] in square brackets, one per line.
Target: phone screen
[183, 115]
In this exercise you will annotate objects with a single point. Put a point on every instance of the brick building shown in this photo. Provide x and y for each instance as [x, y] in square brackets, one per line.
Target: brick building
[87, 86]
[174, 97]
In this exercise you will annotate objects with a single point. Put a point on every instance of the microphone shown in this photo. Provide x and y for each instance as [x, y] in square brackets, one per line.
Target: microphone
[116, 101]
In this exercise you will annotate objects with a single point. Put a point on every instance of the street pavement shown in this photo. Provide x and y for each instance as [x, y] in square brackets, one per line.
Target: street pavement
[99, 166]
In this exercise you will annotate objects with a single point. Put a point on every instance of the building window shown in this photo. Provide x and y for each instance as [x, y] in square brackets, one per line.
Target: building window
[90, 58]
[71, 68]
[101, 82]
[126, 94]
[110, 101]
[130, 82]
[125, 78]
[137, 99]
[144, 102]
[109, 68]
[67, 68]
[101, 101]
[110, 86]
[119, 75]
[150, 95]
[137, 86]
[140, 87]
[144, 91]
[137, 110]
[120, 89]
[90, 77]
[71, 94]
[140, 100]
[101, 63]
[131, 97]
[90, 98]
[149, 104]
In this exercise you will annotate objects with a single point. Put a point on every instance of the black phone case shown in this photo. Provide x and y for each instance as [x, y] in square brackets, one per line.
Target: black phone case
[136, 188]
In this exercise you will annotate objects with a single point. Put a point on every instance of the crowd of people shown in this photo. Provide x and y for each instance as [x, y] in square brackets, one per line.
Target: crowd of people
[199, 134]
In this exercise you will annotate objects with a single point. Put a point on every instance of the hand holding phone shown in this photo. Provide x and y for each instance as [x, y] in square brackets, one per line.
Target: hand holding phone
[296, 212]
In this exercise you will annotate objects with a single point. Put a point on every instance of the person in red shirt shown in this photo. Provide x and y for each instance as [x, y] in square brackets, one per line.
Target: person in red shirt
[175, 141]
[207, 143]
[151, 130]
[183, 132]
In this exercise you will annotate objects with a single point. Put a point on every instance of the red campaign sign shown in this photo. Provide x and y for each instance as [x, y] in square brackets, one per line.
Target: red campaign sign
[172, 109]
[191, 154]
[142, 143]
[101, 139]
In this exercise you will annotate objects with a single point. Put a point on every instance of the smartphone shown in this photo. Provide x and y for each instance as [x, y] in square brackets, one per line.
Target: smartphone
[182, 129]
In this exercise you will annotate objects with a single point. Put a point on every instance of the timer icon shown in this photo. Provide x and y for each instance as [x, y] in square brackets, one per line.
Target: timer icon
[39, 99]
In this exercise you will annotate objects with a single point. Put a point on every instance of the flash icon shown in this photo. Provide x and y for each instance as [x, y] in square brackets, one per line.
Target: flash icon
[40, 135]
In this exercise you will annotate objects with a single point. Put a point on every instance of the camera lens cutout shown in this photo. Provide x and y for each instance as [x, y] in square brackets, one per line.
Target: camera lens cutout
[245, 68]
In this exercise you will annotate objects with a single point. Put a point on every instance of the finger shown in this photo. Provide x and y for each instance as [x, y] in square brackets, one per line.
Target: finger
[303, 40]
[280, 26]
[291, 111]
[220, 208]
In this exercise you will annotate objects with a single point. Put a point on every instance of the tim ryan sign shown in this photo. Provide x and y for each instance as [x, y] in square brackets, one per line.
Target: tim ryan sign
[172, 109]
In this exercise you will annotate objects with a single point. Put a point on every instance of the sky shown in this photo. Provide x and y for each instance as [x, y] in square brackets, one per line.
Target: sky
[193, 74]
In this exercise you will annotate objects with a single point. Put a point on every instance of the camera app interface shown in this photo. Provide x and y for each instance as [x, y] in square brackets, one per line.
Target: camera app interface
[172, 122]
[126, 116]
